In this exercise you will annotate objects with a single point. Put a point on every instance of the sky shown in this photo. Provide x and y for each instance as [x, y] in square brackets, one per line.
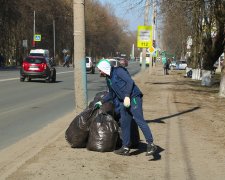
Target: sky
[134, 16]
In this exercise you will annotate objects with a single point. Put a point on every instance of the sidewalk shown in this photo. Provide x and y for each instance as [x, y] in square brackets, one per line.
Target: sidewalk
[6, 68]
[187, 122]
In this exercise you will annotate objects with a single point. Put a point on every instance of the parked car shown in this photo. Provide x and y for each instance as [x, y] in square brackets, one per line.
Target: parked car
[39, 52]
[181, 65]
[37, 67]
[122, 61]
[173, 65]
[90, 65]
[113, 62]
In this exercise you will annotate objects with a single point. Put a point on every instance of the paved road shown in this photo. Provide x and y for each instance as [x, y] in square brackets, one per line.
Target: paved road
[25, 107]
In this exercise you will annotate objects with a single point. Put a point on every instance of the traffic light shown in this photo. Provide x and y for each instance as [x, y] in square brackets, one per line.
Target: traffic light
[154, 43]
[33, 44]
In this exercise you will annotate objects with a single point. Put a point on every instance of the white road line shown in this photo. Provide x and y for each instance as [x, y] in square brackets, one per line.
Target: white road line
[2, 80]
[10, 79]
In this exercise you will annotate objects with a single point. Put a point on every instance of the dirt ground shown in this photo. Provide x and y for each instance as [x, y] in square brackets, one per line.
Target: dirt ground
[187, 122]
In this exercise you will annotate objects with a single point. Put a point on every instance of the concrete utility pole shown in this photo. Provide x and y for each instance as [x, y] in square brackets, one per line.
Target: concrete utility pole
[34, 26]
[80, 76]
[34, 31]
[147, 6]
[153, 31]
[54, 39]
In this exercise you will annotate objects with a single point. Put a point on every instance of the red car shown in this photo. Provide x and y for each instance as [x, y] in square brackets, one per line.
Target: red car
[37, 67]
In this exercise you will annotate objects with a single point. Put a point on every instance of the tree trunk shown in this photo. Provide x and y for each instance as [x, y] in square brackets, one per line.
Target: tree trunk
[222, 83]
[206, 78]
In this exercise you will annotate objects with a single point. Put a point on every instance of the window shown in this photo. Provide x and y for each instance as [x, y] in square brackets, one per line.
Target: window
[35, 60]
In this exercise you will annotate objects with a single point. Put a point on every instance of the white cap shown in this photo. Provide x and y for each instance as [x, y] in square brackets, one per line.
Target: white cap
[104, 66]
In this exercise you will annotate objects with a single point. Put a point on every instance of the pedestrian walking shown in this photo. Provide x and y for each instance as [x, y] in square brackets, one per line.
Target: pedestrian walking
[166, 65]
[124, 91]
[66, 60]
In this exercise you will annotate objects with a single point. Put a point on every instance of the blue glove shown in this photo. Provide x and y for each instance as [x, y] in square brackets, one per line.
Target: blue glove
[98, 105]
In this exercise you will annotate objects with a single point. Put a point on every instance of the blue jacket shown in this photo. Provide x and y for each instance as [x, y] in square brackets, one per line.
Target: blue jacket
[120, 85]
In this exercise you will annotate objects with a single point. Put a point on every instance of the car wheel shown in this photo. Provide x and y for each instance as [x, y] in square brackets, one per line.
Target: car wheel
[47, 80]
[54, 76]
[93, 70]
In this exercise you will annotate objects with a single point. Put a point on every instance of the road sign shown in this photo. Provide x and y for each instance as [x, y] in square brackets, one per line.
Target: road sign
[25, 43]
[37, 37]
[144, 37]
[151, 50]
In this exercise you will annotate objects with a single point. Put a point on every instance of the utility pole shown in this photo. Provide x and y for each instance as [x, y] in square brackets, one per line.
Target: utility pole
[34, 24]
[153, 31]
[80, 76]
[54, 39]
[34, 31]
[147, 6]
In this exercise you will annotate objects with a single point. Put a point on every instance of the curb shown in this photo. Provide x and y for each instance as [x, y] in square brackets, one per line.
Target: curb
[19, 153]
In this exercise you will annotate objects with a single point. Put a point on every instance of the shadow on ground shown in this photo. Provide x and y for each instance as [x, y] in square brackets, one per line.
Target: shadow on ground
[160, 120]
[142, 149]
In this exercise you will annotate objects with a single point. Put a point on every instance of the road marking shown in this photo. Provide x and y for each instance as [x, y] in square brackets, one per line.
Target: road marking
[2, 80]
[64, 72]
[11, 79]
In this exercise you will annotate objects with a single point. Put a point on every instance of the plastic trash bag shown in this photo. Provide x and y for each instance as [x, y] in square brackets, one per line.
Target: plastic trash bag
[78, 130]
[103, 134]
[98, 97]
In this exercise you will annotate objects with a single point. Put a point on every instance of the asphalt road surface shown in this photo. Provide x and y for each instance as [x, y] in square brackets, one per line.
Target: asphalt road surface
[25, 107]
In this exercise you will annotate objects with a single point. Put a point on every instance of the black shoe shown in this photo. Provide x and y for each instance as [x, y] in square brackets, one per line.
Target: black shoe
[124, 151]
[151, 149]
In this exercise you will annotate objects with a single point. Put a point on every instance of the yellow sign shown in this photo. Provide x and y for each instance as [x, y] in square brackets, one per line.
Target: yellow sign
[151, 49]
[37, 37]
[144, 36]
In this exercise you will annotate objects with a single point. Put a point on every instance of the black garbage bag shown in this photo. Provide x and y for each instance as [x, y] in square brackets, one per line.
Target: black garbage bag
[78, 130]
[98, 97]
[108, 108]
[103, 134]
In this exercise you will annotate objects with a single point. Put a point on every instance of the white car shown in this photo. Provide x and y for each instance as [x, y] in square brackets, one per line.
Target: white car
[114, 62]
[39, 52]
[173, 65]
[90, 65]
[181, 65]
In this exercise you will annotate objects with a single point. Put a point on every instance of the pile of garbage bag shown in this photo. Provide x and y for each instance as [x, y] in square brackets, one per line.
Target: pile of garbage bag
[99, 129]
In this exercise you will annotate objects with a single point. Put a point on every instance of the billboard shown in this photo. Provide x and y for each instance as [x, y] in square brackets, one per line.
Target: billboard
[144, 37]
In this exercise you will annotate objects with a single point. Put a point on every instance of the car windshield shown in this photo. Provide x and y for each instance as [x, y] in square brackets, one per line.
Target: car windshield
[87, 60]
[113, 63]
[36, 54]
[183, 62]
[35, 60]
